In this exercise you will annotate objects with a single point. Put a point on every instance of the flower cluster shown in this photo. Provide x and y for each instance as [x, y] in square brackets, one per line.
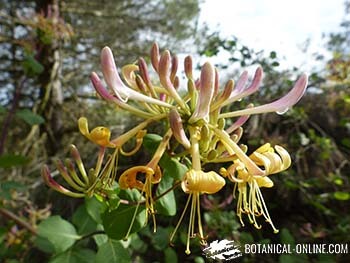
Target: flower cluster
[195, 122]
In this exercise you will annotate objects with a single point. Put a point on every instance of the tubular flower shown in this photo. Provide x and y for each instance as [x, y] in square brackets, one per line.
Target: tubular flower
[195, 183]
[250, 200]
[198, 131]
[153, 175]
[99, 135]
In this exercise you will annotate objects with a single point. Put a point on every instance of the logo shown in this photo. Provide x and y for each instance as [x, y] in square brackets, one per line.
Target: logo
[222, 251]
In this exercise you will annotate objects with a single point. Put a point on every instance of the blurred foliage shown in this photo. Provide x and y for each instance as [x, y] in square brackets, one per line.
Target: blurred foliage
[47, 51]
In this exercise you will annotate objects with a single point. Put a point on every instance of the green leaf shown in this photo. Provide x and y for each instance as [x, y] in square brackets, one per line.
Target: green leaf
[83, 221]
[341, 196]
[160, 239]
[31, 66]
[75, 255]
[95, 208]
[10, 160]
[132, 195]
[166, 205]
[30, 117]
[151, 141]
[173, 167]
[111, 252]
[59, 232]
[117, 222]
[170, 255]
[44, 245]
[287, 237]
[100, 238]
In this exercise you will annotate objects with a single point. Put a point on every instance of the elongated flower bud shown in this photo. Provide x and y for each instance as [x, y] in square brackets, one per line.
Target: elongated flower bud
[163, 70]
[46, 175]
[205, 93]
[155, 56]
[188, 67]
[177, 128]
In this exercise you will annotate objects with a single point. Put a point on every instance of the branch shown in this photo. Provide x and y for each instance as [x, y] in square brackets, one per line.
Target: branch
[18, 220]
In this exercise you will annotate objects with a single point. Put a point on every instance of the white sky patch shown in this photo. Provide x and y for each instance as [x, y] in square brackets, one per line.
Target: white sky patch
[280, 25]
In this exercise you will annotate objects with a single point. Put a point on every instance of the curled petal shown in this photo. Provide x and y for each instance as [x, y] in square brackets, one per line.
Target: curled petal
[99, 135]
[128, 179]
[280, 106]
[202, 182]
[286, 160]
[139, 139]
[264, 181]
[263, 160]
[272, 162]
[128, 72]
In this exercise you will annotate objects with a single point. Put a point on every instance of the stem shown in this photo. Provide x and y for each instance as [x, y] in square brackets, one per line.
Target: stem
[97, 232]
[233, 148]
[18, 220]
[195, 136]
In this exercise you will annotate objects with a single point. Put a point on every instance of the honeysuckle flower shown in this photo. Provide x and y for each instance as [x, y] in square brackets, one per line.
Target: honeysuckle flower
[196, 120]
[100, 135]
[272, 162]
[152, 174]
[128, 180]
[113, 80]
[195, 183]
[250, 200]
[280, 106]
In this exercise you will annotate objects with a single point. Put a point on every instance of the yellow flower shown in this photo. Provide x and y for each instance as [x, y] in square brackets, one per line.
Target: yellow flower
[99, 135]
[250, 200]
[195, 183]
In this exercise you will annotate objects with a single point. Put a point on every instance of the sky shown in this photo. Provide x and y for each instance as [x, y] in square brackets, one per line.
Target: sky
[279, 25]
